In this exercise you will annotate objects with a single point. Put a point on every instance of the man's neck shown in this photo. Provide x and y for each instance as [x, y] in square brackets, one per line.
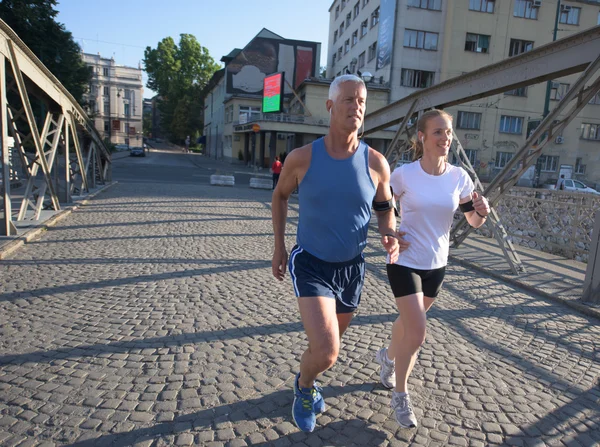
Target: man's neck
[341, 143]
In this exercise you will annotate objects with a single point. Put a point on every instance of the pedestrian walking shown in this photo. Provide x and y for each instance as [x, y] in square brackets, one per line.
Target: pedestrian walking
[187, 144]
[276, 170]
[430, 190]
[341, 178]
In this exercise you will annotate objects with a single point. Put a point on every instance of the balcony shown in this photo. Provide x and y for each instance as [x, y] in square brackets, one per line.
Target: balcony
[242, 125]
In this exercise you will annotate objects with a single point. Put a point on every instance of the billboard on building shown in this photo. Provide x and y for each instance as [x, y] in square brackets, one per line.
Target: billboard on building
[273, 93]
[385, 39]
[296, 59]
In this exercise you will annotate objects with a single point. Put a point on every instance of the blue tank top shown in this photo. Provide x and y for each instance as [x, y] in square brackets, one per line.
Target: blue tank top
[335, 204]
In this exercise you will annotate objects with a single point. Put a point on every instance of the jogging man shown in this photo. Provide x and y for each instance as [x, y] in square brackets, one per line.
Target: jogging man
[341, 179]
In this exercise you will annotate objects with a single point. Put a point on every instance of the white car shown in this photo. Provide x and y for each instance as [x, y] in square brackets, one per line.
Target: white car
[576, 185]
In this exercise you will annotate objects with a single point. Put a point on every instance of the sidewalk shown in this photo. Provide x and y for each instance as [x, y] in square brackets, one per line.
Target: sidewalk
[551, 276]
[28, 230]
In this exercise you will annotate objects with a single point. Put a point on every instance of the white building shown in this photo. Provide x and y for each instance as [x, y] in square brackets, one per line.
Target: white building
[115, 100]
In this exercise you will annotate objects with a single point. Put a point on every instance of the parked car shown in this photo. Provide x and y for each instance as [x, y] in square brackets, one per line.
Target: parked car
[137, 152]
[576, 185]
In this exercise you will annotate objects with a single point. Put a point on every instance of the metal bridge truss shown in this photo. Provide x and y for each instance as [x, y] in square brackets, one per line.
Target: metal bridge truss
[574, 54]
[54, 142]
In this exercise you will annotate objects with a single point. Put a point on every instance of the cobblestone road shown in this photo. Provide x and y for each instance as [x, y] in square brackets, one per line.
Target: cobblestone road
[150, 317]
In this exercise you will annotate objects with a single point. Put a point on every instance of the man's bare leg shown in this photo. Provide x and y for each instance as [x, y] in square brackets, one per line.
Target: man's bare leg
[323, 331]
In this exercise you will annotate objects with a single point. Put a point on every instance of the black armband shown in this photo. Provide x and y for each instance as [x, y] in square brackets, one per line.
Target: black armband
[386, 205]
[466, 207]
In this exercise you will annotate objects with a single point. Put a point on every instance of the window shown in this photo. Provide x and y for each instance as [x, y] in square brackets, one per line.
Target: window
[521, 91]
[337, 11]
[482, 5]
[365, 3]
[468, 120]
[248, 113]
[343, 4]
[511, 124]
[354, 37]
[417, 78]
[558, 90]
[106, 91]
[346, 46]
[372, 51]
[126, 109]
[436, 5]
[105, 71]
[339, 53]
[478, 43]
[502, 158]
[356, 9]
[519, 46]
[420, 39]
[531, 126]
[579, 168]
[570, 16]
[106, 126]
[345, 70]
[590, 131]
[93, 108]
[348, 19]
[374, 17]
[525, 9]
[341, 29]
[595, 99]
[548, 163]
[471, 155]
[364, 27]
[106, 108]
[335, 34]
[333, 59]
[361, 60]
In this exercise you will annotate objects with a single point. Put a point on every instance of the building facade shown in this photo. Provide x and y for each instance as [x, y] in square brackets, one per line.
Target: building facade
[114, 100]
[414, 44]
[235, 127]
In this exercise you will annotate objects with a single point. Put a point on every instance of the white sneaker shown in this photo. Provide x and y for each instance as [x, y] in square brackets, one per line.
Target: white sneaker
[388, 372]
[403, 409]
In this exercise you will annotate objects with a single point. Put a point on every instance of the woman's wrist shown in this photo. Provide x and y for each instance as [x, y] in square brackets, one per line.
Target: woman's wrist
[481, 215]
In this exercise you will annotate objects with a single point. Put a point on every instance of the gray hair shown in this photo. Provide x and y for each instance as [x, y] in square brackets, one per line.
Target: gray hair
[334, 88]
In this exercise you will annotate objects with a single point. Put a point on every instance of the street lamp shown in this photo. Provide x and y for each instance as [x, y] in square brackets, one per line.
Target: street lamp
[366, 76]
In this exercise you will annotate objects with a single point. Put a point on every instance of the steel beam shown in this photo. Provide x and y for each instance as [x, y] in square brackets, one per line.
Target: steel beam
[8, 228]
[554, 60]
[541, 135]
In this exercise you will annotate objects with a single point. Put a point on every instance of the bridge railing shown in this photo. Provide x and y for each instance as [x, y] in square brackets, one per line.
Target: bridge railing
[58, 149]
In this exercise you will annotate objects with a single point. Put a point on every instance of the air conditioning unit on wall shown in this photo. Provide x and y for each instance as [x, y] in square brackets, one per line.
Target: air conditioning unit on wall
[559, 140]
[565, 8]
[536, 3]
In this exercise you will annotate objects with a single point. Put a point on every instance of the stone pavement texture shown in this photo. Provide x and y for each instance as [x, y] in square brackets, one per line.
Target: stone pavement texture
[149, 317]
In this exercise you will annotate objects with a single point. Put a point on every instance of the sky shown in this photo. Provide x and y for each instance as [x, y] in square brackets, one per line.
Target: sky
[124, 28]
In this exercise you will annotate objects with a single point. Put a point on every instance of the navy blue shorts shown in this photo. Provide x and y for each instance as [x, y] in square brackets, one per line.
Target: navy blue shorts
[342, 281]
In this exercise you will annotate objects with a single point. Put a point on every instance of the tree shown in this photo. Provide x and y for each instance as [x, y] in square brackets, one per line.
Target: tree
[35, 23]
[178, 73]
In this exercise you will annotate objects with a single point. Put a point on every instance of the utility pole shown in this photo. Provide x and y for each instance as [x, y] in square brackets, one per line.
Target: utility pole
[549, 83]
[538, 167]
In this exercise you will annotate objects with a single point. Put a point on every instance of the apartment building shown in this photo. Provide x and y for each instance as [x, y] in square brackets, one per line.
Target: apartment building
[114, 100]
[414, 44]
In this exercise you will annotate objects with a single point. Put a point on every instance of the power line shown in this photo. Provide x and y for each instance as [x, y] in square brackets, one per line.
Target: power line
[112, 43]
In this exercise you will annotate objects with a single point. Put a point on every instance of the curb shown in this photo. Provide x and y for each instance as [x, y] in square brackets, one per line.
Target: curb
[587, 310]
[12, 246]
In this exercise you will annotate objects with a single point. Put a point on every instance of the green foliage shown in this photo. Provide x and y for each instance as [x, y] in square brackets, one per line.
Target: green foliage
[240, 155]
[178, 73]
[35, 23]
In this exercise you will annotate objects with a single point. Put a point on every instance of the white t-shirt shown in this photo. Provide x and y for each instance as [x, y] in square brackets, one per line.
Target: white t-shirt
[427, 206]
